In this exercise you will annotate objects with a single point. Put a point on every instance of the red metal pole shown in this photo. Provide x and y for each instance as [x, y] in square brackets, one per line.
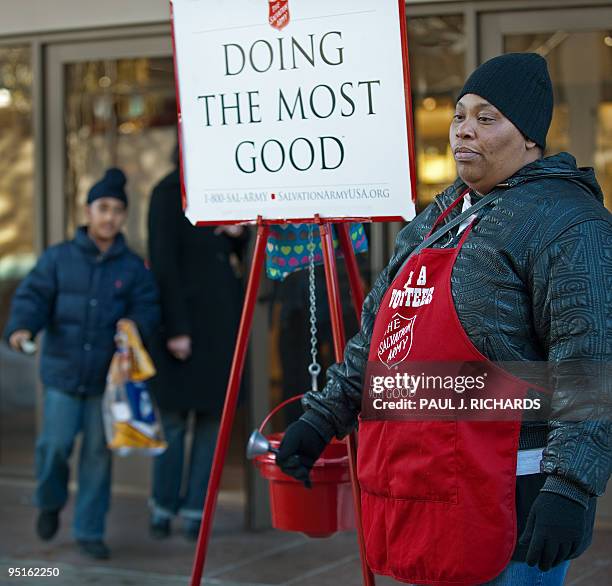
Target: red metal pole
[350, 259]
[231, 398]
[335, 310]
[333, 290]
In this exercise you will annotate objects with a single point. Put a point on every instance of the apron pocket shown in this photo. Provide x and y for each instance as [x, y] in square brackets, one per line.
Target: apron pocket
[420, 460]
[371, 448]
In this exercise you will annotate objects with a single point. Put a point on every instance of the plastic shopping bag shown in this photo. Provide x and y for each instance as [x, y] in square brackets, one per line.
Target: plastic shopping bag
[131, 421]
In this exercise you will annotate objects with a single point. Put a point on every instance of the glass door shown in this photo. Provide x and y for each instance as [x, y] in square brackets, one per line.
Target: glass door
[109, 104]
[18, 224]
[577, 43]
[112, 103]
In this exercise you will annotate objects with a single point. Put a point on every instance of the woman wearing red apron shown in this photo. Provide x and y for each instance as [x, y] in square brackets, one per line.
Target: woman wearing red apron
[481, 275]
[443, 514]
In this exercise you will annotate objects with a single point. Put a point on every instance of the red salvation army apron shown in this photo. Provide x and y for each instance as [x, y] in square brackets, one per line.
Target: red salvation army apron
[437, 495]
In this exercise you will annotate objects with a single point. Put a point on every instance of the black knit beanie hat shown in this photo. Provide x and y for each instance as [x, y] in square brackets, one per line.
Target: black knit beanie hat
[519, 86]
[111, 185]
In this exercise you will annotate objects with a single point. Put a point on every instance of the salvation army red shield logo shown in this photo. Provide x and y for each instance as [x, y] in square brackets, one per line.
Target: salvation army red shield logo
[397, 340]
[279, 13]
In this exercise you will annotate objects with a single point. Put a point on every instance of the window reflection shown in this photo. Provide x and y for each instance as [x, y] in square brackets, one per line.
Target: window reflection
[580, 65]
[16, 171]
[437, 70]
[119, 113]
[17, 255]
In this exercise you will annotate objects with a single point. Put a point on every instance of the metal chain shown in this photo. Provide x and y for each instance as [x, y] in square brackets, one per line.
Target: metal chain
[314, 368]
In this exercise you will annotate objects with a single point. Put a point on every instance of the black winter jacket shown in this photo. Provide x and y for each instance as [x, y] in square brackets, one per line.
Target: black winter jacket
[201, 296]
[77, 295]
[532, 282]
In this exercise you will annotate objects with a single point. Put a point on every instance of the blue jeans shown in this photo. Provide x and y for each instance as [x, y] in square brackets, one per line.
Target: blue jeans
[520, 574]
[173, 491]
[65, 415]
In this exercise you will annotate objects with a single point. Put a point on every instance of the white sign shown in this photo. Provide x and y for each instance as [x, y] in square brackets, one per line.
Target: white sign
[292, 109]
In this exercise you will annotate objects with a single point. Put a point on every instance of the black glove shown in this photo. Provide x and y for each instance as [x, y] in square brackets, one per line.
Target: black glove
[300, 448]
[555, 528]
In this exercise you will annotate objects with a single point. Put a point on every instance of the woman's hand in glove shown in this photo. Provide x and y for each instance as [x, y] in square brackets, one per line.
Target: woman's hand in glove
[300, 448]
[555, 527]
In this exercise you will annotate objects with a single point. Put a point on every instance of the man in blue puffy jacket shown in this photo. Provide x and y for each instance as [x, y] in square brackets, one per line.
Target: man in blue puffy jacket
[77, 293]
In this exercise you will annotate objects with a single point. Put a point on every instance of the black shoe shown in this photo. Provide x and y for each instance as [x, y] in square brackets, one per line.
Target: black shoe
[159, 528]
[191, 530]
[95, 549]
[47, 524]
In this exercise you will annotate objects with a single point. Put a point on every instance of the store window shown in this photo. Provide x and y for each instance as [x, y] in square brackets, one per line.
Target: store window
[17, 253]
[437, 69]
[580, 65]
[17, 213]
[119, 113]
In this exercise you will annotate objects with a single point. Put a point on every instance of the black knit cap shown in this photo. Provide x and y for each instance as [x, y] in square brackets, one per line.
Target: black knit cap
[111, 185]
[519, 86]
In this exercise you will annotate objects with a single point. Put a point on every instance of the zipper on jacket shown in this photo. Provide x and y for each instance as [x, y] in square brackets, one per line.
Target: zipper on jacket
[451, 237]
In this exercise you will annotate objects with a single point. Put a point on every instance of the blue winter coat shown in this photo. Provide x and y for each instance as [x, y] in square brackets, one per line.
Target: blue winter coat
[77, 295]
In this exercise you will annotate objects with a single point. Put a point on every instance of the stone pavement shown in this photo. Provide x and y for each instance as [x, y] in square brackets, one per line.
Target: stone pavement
[236, 557]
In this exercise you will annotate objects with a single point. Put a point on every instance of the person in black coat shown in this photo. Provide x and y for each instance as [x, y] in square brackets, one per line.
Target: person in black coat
[197, 270]
[530, 286]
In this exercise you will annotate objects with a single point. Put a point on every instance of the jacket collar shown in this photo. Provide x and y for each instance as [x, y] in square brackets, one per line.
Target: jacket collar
[560, 166]
[88, 246]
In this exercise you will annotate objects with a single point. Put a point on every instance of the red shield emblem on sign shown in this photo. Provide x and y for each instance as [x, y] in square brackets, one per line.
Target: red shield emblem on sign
[397, 341]
[279, 13]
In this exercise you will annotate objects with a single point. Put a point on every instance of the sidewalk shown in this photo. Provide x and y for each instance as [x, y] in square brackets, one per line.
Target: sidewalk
[236, 557]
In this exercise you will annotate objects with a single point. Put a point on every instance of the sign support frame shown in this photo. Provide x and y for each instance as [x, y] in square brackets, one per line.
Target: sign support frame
[233, 387]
